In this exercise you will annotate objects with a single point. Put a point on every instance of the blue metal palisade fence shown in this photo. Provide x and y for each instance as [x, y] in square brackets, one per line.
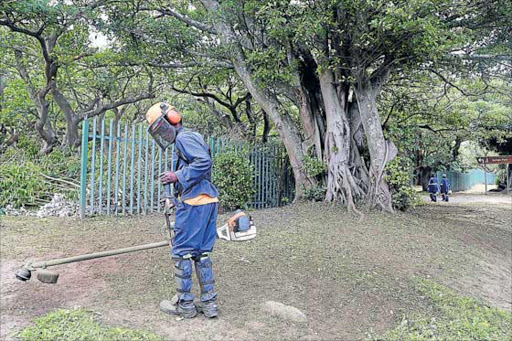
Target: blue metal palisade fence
[464, 181]
[121, 164]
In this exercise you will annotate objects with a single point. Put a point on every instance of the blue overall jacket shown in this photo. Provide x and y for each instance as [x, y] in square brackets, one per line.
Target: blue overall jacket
[193, 166]
[433, 186]
[445, 186]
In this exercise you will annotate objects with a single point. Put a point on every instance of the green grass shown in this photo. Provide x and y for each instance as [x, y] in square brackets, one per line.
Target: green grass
[455, 318]
[74, 325]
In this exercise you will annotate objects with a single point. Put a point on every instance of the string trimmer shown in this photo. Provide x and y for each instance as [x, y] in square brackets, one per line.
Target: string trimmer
[46, 276]
[164, 134]
[238, 228]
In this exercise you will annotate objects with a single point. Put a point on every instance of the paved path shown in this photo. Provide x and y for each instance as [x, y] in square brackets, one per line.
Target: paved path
[462, 197]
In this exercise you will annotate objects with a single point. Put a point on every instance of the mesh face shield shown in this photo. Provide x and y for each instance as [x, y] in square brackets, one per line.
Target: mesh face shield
[163, 132]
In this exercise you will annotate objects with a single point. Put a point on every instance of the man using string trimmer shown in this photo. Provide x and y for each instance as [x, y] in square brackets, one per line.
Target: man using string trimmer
[196, 204]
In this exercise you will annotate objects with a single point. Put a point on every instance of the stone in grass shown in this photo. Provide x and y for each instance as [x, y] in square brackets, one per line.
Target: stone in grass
[286, 312]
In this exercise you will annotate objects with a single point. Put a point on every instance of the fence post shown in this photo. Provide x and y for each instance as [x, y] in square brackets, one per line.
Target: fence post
[508, 177]
[83, 167]
[125, 160]
[152, 185]
[485, 176]
[100, 185]
[93, 161]
[138, 169]
[116, 181]
[109, 176]
[146, 165]
[132, 166]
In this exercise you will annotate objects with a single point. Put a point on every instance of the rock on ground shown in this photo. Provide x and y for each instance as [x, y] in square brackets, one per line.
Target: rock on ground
[284, 311]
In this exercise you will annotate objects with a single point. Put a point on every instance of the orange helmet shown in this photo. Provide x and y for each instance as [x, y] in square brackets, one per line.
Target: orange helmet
[172, 116]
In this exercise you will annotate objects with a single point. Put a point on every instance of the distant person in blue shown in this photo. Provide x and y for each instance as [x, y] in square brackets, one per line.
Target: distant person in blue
[433, 187]
[445, 187]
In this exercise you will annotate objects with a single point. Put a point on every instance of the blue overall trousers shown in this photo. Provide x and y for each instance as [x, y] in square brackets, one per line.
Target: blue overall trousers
[195, 226]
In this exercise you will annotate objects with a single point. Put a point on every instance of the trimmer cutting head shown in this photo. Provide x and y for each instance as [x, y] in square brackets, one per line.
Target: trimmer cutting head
[44, 276]
[23, 274]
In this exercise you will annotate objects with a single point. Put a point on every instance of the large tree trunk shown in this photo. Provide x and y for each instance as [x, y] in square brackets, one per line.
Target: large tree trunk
[283, 123]
[303, 78]
[456, 148]
[285, 127]
[43, 128]
[72, 137]
[266, 127]
[381, 151]
[358, 165]
[423, 176]
[341, 185]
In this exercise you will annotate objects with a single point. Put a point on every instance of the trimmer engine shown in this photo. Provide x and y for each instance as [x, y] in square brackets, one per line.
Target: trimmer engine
[240, 227]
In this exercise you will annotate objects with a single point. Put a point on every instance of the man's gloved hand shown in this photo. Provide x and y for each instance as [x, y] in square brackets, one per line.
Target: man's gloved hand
[168, 177]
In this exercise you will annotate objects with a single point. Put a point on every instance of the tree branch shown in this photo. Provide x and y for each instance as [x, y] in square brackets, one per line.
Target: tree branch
[171, 65]
[203, 94]
[428, 127]
[36, 35]
[447, 81]
[199, 25]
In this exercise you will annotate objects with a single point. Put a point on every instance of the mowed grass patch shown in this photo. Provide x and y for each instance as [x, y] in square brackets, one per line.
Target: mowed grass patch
[454, 318]
[82, 325]
[351, 277]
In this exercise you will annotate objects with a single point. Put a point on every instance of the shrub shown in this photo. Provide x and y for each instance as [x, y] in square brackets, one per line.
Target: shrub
[232, 175]
[62, 164]
[501, 176]
[313, 166]
[315, 193]
[22, 182]
[398, 178]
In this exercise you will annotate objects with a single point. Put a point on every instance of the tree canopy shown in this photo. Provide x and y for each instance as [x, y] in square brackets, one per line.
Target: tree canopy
[346, 85]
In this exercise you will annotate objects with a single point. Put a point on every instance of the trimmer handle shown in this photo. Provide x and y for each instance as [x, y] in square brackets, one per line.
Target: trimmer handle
[167, 191]
[167, 199]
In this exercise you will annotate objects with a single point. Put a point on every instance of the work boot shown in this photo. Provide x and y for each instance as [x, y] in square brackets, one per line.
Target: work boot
[209, 308]
[185, 309]
[182, 304]
[204, 272]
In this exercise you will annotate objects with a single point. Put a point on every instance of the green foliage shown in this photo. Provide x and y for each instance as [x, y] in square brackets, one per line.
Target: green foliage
[315, 193]
[268, 70]
[27, 146]
[21, 174]
[313, 166]
[20, 184]
[61, 163]
[232, 175]
[79, 325]
[459, 318]
[398, 177]
[433, 124]
[501, 178]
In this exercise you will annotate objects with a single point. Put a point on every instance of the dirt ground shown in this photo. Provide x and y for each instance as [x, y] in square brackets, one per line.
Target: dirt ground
[351, 278]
